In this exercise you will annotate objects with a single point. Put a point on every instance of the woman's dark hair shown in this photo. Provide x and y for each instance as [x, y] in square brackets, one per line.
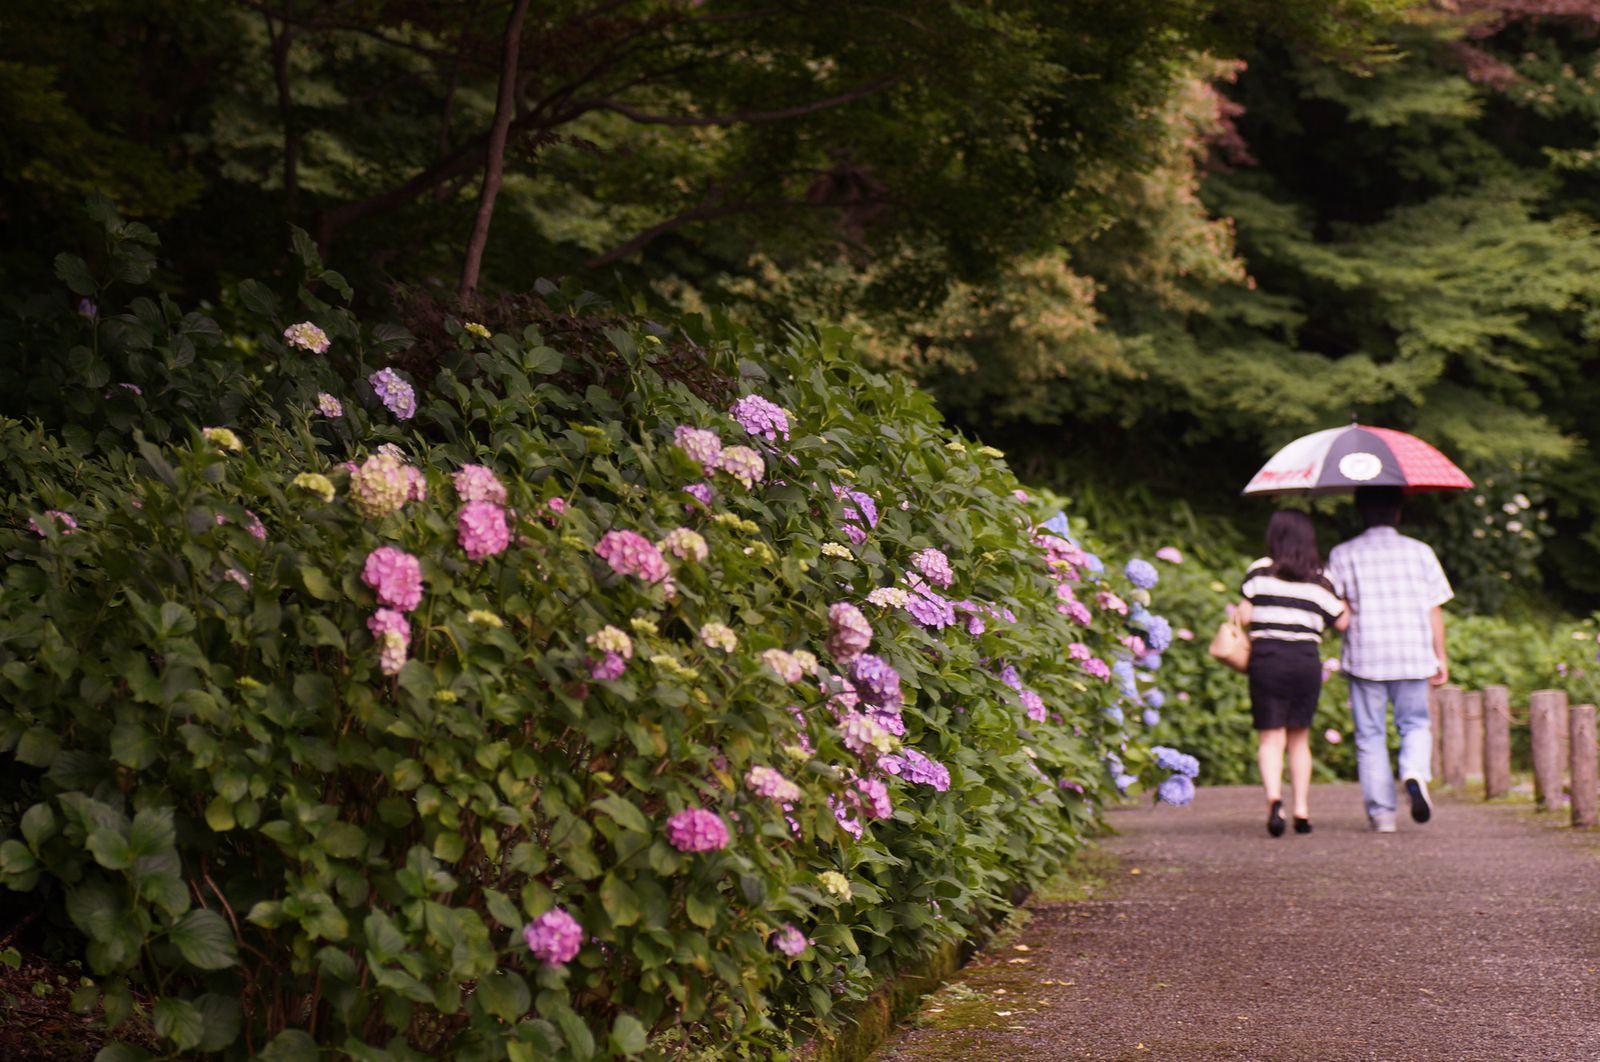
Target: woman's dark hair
[1292, 545]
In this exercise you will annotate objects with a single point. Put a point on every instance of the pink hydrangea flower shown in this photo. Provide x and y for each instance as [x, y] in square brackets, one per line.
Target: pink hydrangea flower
[478, 483]
[396, 577]
[1111, 602]
[556, 505]
[1135, 644]
[758, 416]
[306, 336]
[1098, 668]
[1080, 652]
[237, 576]
[65, 524]
[701, 444]
[871, 796]
[481, 529]
[845, 814]
[770, 783]
[790, 941]
[630, 553]
[554, 937]
[379, 486]
[933, 564]
[849, 633]
[1170, 554]
[743, 464]
[328, 405]
[1077, 612]
[416, 485]
[790, 667]
[697, 830]
[609, 666]
[393, 633]
[1020, 495]
[1332, 736]
[1034, 705]
[700, 492]
[863, 735]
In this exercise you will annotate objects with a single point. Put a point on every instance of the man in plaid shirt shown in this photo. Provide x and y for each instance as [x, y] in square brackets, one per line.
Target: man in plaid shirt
[1393, 650]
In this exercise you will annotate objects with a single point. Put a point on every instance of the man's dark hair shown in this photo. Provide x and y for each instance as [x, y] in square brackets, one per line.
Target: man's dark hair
[1379, 506]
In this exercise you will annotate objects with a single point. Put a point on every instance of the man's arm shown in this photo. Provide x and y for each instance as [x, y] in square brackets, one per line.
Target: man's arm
[1436, 616]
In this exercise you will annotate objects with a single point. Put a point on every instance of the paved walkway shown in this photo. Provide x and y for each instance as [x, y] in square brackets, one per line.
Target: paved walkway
[1474, 937]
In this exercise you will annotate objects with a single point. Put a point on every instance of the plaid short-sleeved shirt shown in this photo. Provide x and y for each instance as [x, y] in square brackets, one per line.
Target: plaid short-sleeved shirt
[1392, 584]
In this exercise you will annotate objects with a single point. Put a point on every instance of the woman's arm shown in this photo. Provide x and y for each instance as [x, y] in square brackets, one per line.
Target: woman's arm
[1241, 612]
[1343, 622]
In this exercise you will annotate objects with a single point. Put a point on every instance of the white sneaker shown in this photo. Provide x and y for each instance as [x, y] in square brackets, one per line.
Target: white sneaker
[1381, 823]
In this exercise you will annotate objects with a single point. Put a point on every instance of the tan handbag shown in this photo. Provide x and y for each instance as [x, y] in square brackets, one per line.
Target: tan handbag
[1231, 645]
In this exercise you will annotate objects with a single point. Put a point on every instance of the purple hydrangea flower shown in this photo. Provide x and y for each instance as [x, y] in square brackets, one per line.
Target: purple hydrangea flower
[328, 405]
[697, 830]
[876, 683]
[914, 767]
[1010, 677]
[758, 416]
[396, 394]
[1152, 717]
[554, 937]
[610, 666]
[933, 564]
[1141, 573]
[1155, 698]
[929, 608]
[871, 795]
[1158, 633]
[1177, 790]
[770, 783]
[1034, 704]
[702, 445]
[790, 941]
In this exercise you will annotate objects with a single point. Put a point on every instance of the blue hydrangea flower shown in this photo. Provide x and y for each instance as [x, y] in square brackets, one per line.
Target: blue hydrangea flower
[1138, 615]
[1189, 767]
[1094, 563]
[1177, 790]
[1141, 573]
[1152, 717]
[1155, 698]
[1057, 524]
[1167, 759]
[1114, 713]
[1150, 662]
[1158, 633]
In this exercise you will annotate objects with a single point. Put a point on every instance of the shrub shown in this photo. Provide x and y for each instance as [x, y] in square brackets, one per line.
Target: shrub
[505, 718]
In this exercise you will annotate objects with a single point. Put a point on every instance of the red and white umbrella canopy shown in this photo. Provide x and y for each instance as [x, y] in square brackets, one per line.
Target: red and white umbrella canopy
[1356, 456]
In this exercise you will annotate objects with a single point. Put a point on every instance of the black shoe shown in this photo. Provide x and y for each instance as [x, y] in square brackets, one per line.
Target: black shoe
[1275, 819]
[1421, 806]
[1302, 825]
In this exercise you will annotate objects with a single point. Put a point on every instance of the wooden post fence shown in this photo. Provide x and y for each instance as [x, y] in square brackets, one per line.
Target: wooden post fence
[1438, 732]
[1496, 742]
[1472, 713]
[1585, 784]
[1546, 716]
[1453, 724]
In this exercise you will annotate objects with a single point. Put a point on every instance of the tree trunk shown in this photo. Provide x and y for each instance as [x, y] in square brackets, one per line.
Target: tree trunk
[495, 160]
[280, 42]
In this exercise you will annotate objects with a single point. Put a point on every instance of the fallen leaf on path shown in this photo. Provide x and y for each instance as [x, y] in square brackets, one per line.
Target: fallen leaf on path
[1020, 947]
[1135, 870]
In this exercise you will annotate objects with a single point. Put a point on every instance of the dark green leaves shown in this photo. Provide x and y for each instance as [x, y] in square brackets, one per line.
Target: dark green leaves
[205, 940]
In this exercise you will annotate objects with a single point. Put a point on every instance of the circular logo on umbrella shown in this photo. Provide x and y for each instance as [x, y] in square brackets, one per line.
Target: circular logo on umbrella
[1360, 466]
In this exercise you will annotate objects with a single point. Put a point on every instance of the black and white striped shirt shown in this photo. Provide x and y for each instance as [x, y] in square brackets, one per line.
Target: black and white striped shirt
[1286, 610]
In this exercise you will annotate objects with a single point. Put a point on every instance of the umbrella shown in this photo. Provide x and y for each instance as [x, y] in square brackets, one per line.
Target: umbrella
[1356, 456]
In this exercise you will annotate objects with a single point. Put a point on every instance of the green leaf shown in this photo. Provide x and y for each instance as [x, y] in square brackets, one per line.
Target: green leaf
[176, 620]
[179, 1021]
[619, 901]
[576, 1032]
[38, 747]
[502, 910]
[317, 584]
[152, 831]
[622, 810]
[504, 995]
[449, 847]
[343, 840]
[74, 273]
[219, 815]
[628, 1035]
[205, 940]
[133, 746]
[38, 825]
[222, 1018]
[110, 849]
[122, 1053]
[702, 910]
[291, 1045]
[258, 298]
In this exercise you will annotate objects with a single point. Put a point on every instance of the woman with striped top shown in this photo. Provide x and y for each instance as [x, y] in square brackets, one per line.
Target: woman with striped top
[1287, 606]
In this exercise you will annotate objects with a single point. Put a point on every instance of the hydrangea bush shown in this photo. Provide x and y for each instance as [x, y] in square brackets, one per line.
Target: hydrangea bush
[554, 709]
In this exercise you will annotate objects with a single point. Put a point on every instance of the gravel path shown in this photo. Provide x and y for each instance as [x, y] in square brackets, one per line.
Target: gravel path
[1473, 937]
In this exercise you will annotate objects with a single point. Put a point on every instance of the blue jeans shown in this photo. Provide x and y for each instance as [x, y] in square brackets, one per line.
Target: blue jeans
[1369, 700]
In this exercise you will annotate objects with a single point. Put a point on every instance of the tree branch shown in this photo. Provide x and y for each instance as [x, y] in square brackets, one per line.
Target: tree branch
[741, 117]
[495, 159]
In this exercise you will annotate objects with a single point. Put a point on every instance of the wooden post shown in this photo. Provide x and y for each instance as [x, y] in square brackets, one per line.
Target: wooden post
[1437, 730]
[1585, 770]
[1546, 710]
[1472, 712]
[1496, 742]
[1453, 721]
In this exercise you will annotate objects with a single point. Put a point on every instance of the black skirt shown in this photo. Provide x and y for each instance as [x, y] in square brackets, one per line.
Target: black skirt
[1285, 682]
